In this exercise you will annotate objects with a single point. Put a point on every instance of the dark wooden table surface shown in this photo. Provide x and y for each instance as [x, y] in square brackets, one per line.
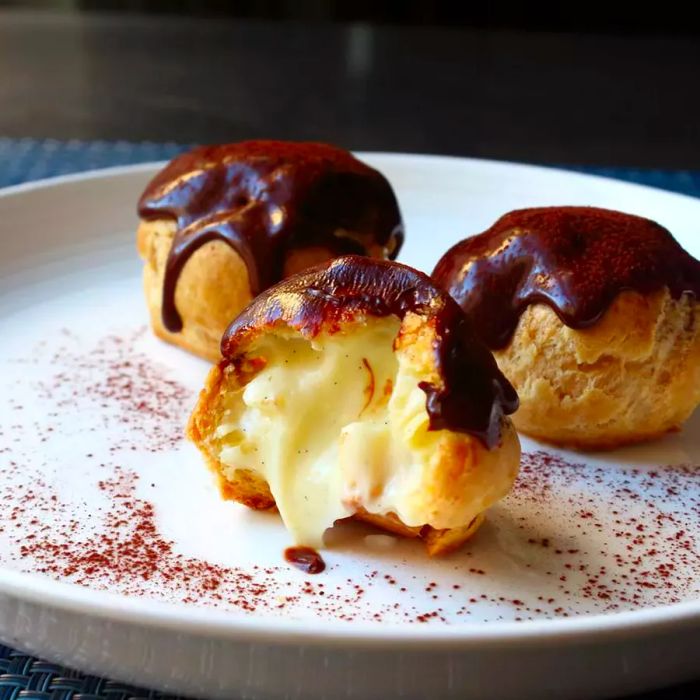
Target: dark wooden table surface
[541, 97]
[550, 98]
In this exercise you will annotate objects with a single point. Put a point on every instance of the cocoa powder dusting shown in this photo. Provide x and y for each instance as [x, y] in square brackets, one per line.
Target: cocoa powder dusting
[576, 260]
[123, 385]
[574, 538]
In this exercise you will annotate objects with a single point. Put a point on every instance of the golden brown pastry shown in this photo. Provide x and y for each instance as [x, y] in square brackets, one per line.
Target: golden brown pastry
[222, 223]
[358, 389]
[592, 314]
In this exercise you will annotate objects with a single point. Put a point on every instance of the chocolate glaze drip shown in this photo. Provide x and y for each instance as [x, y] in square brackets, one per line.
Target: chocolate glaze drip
[472, 395]
[306, 559]
[264, 198]
[574, 259]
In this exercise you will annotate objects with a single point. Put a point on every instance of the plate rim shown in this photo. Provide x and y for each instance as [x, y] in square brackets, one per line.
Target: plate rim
[46, 592]
[121, 608]
[137, 168]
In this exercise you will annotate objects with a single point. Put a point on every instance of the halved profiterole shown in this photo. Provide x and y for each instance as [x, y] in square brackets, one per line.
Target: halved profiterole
[358, 389]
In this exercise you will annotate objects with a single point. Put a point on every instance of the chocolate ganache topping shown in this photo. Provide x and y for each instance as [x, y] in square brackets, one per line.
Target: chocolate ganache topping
[471, 396]
[574, 259]
[306, 559]
[265, 198]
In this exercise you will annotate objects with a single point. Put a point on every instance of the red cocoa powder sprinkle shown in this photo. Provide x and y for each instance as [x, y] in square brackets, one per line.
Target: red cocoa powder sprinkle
[625, 539]
[124, 385]
[634, 506]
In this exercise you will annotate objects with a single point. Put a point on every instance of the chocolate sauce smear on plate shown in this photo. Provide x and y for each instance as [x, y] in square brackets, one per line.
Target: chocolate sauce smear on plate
[306, 559]
[574, 259]
[471, 396]
[265, 198]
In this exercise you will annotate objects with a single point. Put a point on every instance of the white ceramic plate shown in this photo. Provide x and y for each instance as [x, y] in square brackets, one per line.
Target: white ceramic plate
[117, 555]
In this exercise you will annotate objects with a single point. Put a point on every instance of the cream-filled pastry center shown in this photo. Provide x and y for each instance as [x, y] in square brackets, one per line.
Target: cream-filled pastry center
[339, 423]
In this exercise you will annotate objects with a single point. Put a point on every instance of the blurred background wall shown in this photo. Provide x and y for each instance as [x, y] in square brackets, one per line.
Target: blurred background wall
[571, 85]
[625, 18]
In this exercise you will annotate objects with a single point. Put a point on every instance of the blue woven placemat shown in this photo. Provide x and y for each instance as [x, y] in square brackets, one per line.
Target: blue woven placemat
[22, 160]
[23, 677]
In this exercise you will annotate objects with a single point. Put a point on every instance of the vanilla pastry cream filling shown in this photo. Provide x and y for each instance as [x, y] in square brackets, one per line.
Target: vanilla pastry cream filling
[338, 423]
